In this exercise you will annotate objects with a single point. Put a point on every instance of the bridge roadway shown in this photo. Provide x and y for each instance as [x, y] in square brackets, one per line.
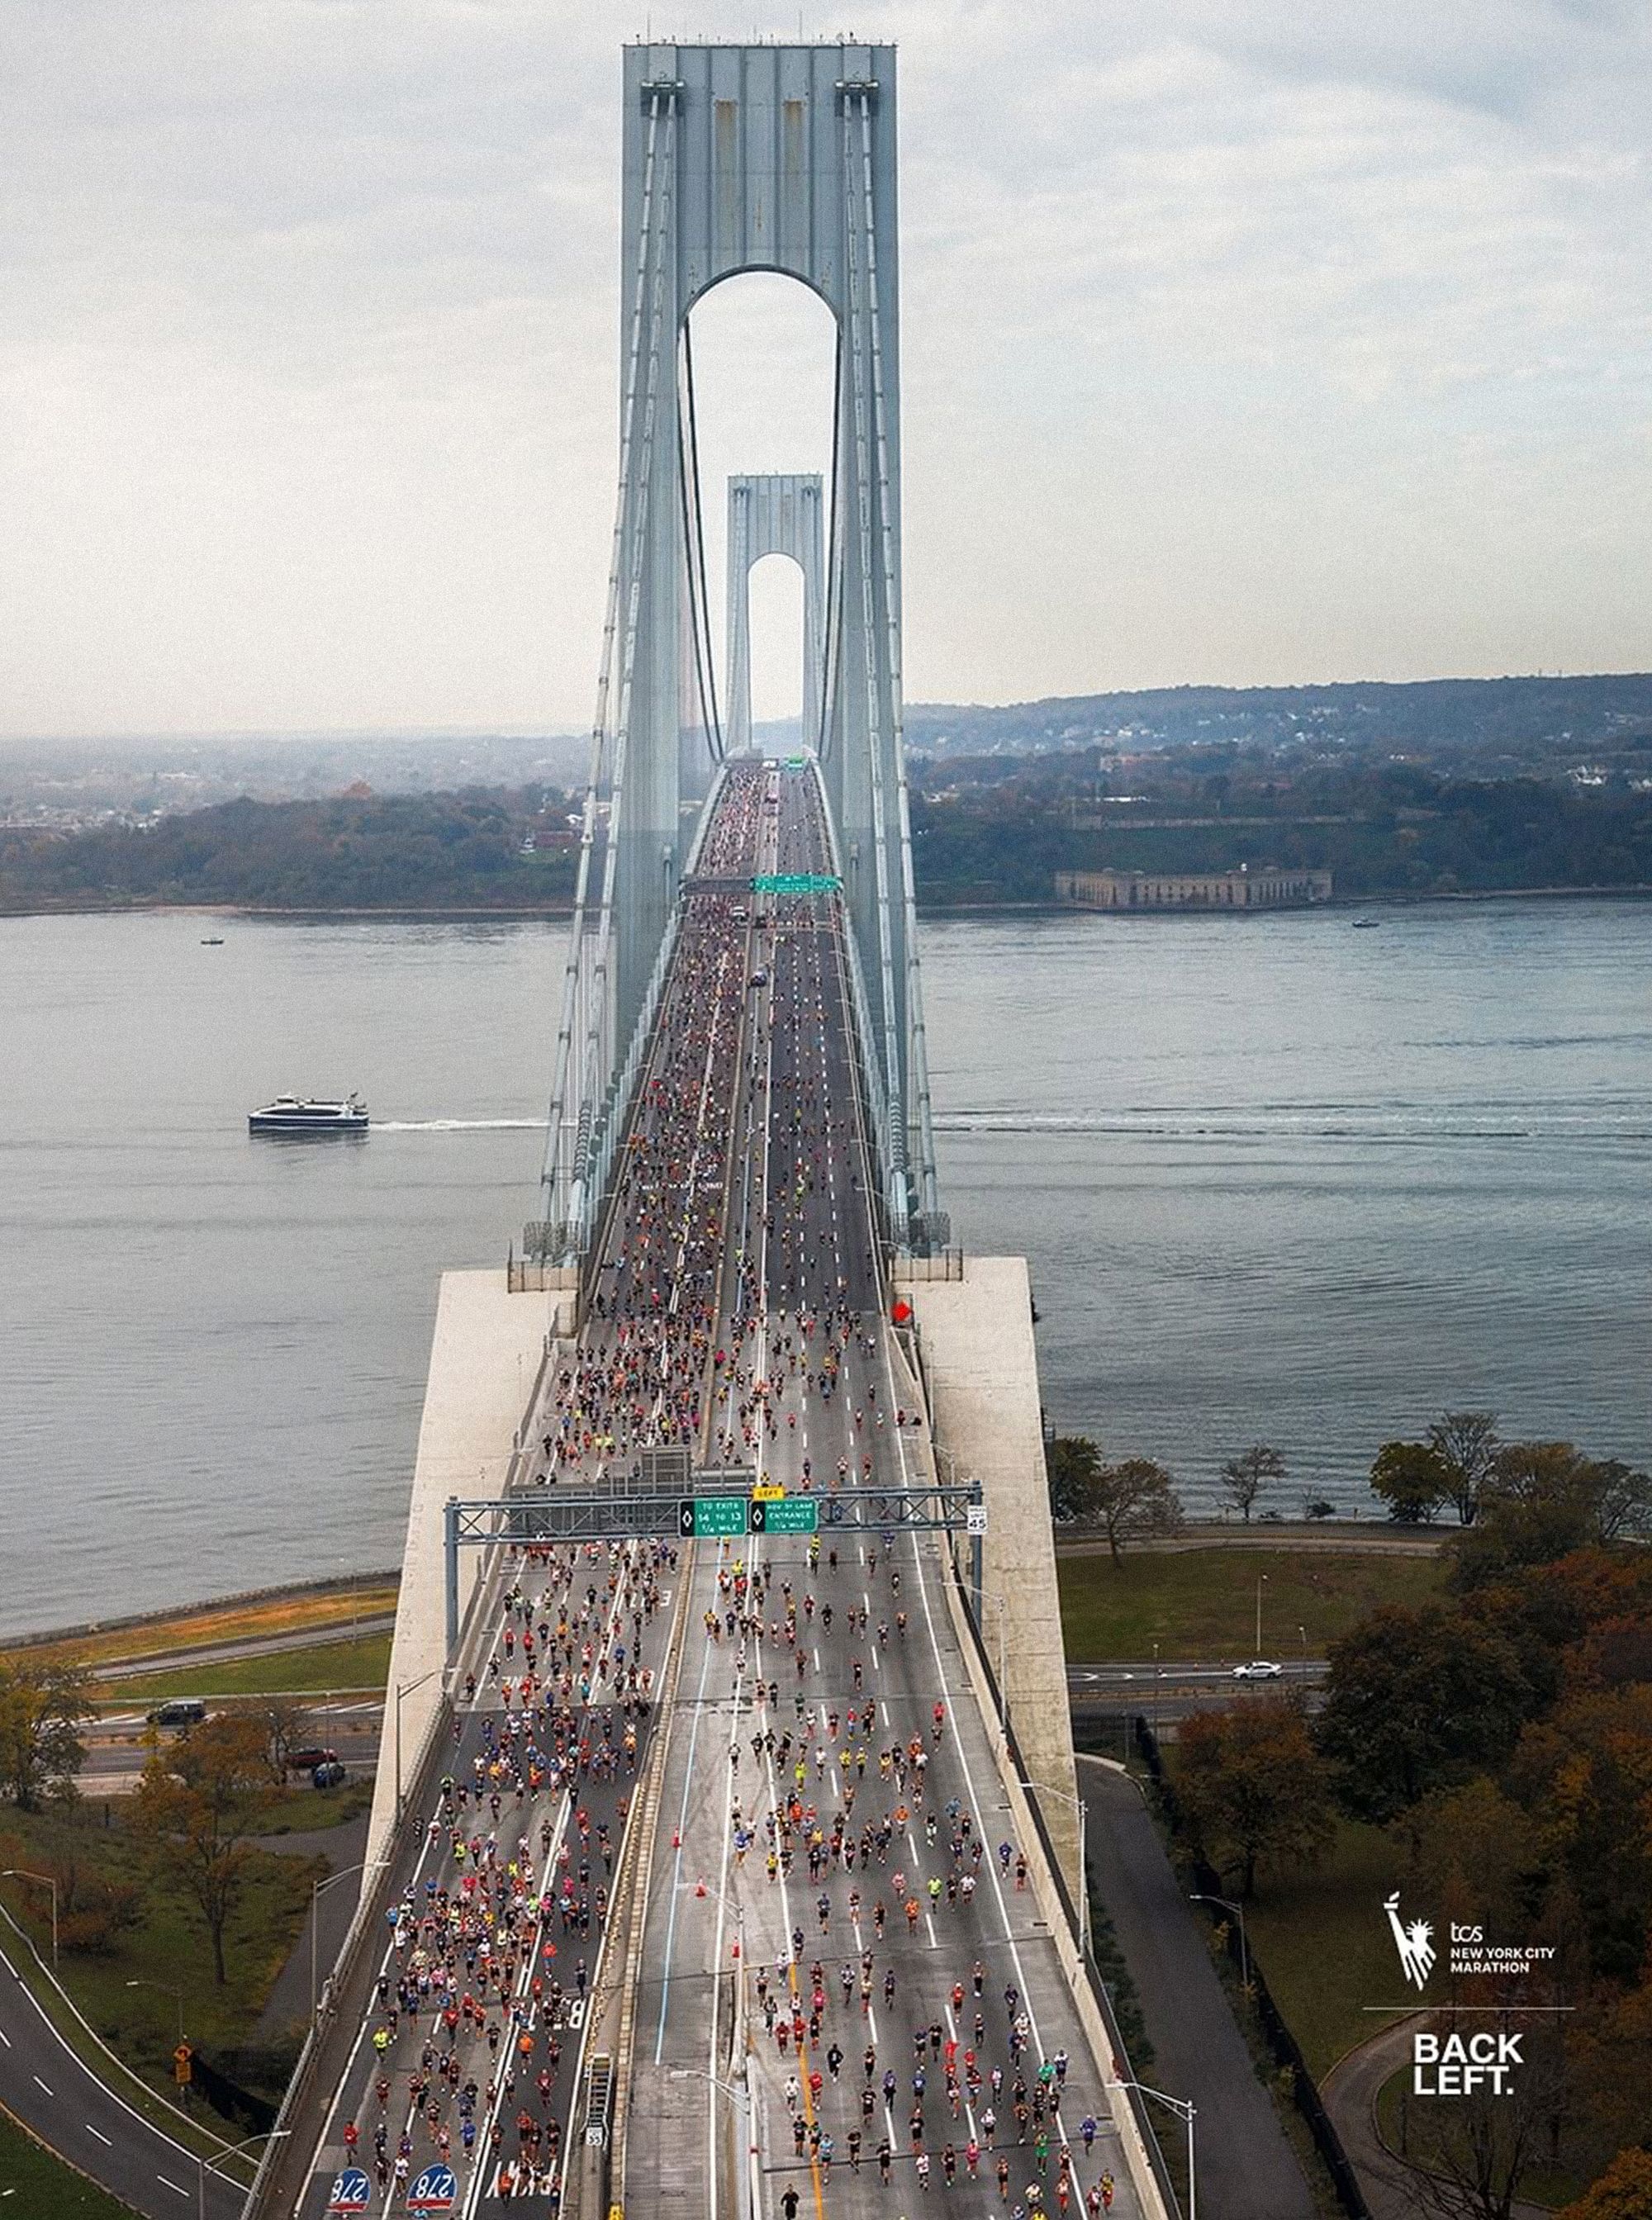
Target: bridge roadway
[738, 1311]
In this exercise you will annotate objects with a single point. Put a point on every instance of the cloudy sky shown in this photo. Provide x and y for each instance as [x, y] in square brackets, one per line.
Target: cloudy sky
[1244, 342]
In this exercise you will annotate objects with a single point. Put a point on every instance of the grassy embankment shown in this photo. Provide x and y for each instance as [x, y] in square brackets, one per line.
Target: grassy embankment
[44, 2187]
[1199, 1605]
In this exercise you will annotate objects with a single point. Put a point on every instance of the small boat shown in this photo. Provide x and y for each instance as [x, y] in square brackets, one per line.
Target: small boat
[1367, 924]
[215, 942]
[289, 1113]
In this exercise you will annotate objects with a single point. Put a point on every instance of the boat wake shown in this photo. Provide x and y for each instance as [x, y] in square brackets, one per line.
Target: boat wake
[459, 1124]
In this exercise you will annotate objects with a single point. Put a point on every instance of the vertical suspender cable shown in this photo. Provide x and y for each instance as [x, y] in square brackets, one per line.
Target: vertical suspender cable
[644, 474]
[694, 537]
[577, 993]
[917, 1075]
[895, 1171]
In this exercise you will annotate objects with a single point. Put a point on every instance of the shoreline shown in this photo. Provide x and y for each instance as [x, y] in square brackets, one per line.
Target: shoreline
[281, 1592]
[518, 914]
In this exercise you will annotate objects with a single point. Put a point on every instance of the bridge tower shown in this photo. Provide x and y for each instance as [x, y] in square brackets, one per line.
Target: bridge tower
[781, 158]
[774, 516]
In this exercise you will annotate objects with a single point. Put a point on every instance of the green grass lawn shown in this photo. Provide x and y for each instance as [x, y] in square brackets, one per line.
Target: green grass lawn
[167, 1954]
[329, 1668]
[37, 2186]
[1199, 1605]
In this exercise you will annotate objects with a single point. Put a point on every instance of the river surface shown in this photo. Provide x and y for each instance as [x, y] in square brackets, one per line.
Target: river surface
[1278, 1179]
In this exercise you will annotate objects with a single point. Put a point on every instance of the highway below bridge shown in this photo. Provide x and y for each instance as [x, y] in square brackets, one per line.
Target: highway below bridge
[790, 1961]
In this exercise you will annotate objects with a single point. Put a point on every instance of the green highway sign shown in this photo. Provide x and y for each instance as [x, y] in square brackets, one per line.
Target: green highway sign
[717, 1516]
[796, 1514]
[796, 882]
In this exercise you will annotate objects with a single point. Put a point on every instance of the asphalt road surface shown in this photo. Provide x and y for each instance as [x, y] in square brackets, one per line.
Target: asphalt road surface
[84, 2115]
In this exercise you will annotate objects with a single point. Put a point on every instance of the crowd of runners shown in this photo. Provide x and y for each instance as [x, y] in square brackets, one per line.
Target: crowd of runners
[736, 1312]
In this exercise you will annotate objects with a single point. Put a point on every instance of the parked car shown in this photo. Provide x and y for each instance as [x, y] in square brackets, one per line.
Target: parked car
[307, 1759]
[179, 1711]
[327, 1776]
[1259, 1668]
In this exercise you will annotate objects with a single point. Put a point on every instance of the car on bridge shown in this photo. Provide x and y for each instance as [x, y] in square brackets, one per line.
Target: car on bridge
[1259, 1668]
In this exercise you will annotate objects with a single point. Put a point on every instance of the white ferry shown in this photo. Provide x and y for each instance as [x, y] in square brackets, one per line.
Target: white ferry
[289, 1114]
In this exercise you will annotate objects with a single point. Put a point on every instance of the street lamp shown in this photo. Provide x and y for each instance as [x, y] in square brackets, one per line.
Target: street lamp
[742, 2101]
[1155, 1695]
[1180, 2106]
[167, 1988]
[271, 2135]
[1302, 1632]
[737, 2033]
[319, 1890]
[22, 1873]
[1262, 1583]
[1200, 1896]
[406, 1688]
[1049, 1789]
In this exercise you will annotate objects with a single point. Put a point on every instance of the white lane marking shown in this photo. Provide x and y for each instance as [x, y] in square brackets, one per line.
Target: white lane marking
[39, 2084]
[5, 2038]
[171, 2185]
[100, 2137]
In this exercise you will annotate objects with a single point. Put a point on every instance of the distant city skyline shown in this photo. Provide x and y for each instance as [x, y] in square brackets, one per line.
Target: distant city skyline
[1238, 348]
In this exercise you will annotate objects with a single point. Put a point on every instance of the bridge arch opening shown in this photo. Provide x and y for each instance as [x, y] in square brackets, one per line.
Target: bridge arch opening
[764, 347]
[774, 591]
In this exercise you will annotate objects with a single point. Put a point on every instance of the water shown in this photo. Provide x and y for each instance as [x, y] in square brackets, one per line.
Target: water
[1277, 1180]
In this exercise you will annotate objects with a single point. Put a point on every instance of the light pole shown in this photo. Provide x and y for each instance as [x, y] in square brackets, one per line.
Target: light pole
[1262, 1583]
[168, 1989]
[406, 1688]
[1155, 1695]
[22, 1873]
[271, 2135]
[1049, 1789]
[737, 2033]
[742, 2100]
[317, 1892]
[1302, 1632]
[1180, 2105]
[1238, 1910]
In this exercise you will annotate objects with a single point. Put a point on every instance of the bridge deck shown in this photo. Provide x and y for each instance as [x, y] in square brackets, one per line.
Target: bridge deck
[827, 1781]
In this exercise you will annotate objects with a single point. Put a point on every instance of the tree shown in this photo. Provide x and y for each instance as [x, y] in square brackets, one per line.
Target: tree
[1254, 1789]
[1413, 1479]
[1134, 1498]
[1467, 1442]
[198, 1817]
[1470, 2157]
[1417, 1701]
[42, 1706]
[1623, 2191]
[1072, 1462]
[287, 1725]
[1540, 1502]
[1246, 1475]
[1625, 1501]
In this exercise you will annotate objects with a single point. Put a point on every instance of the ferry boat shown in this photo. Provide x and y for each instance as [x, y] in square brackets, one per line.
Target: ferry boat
[289, 1114]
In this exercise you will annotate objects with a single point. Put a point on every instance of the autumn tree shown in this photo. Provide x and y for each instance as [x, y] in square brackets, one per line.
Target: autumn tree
[42, 1708]
[1134, 1498]
[1466, 1442]
[1254, 1789]
[1071, 1464]
[1245, 1477]
[198, 1804]
[1413, 1479]
[1418, 1700]
[1623, 2191]
[1540, 1502]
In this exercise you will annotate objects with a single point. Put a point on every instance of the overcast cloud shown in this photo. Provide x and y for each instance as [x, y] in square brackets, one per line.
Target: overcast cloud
[1242, 342]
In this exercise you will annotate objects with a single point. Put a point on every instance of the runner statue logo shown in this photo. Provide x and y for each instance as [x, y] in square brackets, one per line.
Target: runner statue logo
[1415, 1943]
